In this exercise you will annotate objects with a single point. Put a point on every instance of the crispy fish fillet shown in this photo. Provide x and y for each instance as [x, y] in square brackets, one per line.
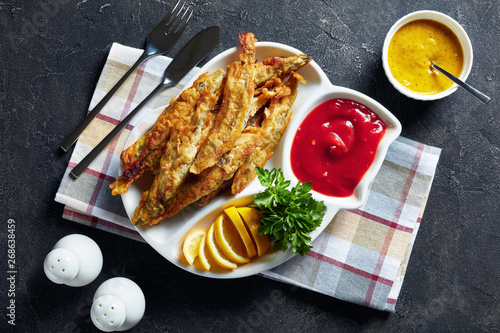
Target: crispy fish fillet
[197, 186]
[212, 181]
[235, 108]
[132, 153]
[277, 66]
[205, 200]
[276, 119]
[273, 88]
[155, 140]
[177, 157]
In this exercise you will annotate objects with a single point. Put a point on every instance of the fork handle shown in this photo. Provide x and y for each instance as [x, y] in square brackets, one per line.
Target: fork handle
[71, 139]
[80, 167]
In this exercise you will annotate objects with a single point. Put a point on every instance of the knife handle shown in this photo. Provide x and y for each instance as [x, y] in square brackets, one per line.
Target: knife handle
[71, 139]
[80, 167]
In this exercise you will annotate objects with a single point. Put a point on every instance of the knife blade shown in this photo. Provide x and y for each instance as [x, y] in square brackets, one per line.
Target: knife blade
[187, 58]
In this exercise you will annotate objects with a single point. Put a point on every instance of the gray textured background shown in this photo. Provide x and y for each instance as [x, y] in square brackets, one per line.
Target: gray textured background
[51, 54]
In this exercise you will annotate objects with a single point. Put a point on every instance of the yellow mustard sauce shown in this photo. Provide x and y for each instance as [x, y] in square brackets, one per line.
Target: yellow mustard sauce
[414, 46]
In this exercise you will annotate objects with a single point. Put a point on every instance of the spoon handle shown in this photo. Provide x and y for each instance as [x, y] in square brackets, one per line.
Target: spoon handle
[476, 93]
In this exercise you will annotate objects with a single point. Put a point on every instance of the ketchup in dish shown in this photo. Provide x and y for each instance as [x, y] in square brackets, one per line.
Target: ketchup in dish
[335, 145]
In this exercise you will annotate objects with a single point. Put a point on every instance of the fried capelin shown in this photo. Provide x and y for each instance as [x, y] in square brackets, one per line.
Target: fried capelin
[232, 169]
[205, 200]
[235, 108]
[132, 153]
[145, 153]
[276, 119]
[277, 66]
[210, 179]
[177, 157]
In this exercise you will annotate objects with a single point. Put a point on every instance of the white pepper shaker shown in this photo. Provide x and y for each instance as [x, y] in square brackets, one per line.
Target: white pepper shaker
[75, 260]
[118, 305]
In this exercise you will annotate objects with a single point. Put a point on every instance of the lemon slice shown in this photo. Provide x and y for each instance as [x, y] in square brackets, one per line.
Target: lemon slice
[191, 245]
[233, 214]
[251, 217]
[203, 255]
[229, 240]
[215, 251]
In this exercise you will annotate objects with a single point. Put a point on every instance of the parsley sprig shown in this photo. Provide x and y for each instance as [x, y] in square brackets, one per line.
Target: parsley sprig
[288, 216]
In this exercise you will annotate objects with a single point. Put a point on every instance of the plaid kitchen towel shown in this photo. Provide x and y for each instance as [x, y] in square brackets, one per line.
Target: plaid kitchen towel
[362, 255]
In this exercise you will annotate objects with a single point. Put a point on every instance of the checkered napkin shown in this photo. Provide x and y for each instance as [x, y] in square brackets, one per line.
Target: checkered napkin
[362, 255]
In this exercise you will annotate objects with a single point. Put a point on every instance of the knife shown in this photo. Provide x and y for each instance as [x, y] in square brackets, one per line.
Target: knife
[187, 58]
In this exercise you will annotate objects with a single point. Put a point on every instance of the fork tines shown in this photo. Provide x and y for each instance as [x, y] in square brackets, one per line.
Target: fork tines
[171, 19]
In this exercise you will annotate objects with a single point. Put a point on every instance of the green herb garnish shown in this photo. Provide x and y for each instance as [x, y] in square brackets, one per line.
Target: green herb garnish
[288, 216]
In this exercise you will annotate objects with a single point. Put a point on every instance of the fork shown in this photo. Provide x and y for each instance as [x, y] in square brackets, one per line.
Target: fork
[158, 42]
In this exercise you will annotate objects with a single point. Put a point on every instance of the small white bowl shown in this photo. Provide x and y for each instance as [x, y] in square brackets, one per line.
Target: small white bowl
[450, 23]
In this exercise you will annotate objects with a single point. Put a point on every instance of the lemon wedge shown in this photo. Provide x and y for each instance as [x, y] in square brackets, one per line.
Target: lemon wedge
[215, 251]
[191, 245]
[235, 217]
[251, 217]
[203, 254]
[229, 240]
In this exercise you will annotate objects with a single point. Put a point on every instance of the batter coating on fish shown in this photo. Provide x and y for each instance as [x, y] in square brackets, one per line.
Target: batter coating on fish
[235, 108]
[177, 157]
[276, 119]
[197, 186]
[157, 137]
[277, 66]
[255, 145]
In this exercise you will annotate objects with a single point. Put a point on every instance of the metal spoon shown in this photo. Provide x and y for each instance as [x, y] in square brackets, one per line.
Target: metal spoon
[476, 93]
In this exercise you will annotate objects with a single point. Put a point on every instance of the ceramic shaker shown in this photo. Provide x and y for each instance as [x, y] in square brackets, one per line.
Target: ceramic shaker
[118, 305]
[75, 260]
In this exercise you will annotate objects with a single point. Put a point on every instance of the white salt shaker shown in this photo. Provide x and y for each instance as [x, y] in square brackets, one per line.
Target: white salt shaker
[75, 260]
[118, 305]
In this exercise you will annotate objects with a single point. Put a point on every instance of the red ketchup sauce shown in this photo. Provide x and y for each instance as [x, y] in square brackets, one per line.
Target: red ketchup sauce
[335, 145]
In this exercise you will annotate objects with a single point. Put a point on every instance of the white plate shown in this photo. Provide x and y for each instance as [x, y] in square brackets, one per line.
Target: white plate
[167, 237]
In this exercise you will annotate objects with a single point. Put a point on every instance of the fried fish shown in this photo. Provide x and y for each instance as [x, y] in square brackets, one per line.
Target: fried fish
[277, 66]
[276, 119]
[235, 108]
[177, 157]
[254, 147]
[209, 180]
[146, 153]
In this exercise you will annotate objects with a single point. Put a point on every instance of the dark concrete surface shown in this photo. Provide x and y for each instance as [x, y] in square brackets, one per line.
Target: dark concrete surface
[51, 54]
